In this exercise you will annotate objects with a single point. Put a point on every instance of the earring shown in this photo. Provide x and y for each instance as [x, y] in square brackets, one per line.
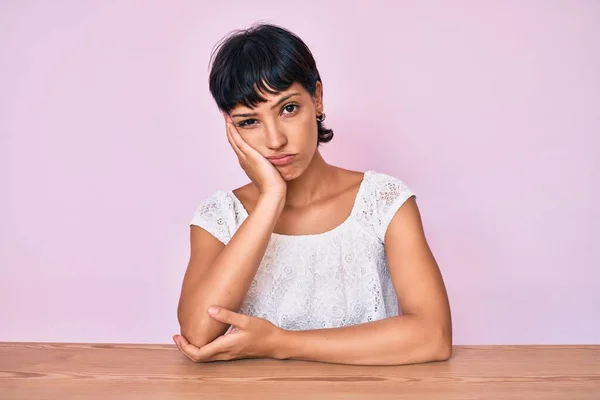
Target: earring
[321, 117]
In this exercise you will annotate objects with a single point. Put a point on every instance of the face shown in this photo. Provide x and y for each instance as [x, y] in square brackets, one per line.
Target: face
[286, 123]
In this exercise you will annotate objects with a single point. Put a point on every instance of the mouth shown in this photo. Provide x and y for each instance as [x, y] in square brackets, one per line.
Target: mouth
[282, 160]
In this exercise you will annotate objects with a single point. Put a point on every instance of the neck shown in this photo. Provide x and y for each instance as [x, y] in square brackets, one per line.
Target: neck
[314, 183]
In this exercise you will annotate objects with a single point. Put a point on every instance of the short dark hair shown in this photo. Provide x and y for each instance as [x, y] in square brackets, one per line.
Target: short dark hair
[264, 56]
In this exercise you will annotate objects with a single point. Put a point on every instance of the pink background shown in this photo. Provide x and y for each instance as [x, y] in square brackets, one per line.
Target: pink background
[109, 139]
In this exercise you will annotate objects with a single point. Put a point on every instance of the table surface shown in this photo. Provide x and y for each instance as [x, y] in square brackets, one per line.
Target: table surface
[134, 371]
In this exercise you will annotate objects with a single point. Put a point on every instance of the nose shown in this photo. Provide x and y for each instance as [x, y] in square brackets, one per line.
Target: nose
[276, 138]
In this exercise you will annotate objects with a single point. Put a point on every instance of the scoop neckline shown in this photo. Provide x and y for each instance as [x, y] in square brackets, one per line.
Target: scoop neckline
[314, 235]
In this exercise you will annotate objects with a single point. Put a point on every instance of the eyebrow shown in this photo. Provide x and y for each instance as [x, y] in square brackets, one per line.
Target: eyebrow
[272, 107]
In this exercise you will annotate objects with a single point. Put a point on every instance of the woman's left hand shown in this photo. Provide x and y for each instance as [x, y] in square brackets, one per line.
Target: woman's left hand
[248, 337]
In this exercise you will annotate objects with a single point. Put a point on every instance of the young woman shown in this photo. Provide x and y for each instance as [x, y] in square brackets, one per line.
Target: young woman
[309, 260]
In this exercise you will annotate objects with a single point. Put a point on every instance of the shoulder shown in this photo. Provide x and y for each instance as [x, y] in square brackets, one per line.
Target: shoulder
[384, 195]
[218, 214]
[218, 202]
[387, 188]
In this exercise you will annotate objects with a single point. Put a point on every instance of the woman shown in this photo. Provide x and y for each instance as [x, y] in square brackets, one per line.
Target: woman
[307, 261]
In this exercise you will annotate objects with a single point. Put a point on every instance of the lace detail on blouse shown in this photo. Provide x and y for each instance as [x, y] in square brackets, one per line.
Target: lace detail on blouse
[325, 280]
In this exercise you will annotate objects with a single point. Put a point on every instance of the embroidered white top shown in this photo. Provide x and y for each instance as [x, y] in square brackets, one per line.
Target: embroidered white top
[325, 280]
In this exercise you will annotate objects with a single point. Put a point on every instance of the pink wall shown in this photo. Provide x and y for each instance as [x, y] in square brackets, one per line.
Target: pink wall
[109, 138]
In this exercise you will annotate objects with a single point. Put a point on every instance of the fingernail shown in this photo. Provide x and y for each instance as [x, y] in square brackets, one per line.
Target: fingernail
[213, 310]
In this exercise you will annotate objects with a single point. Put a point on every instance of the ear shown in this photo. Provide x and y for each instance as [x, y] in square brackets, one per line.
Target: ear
[318, 97]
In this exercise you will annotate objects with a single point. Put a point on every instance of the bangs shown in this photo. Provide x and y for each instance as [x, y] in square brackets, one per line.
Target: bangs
[264, 59]
[254, 73]
[258, 62]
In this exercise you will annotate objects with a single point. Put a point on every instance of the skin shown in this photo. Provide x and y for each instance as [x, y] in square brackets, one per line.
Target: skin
[304, 197]
[314, 188]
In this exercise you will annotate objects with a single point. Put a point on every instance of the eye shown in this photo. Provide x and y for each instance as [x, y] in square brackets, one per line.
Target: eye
[288, 109]
[291, 108]
[245, 123]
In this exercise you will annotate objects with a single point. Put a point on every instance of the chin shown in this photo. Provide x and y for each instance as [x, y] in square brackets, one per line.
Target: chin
[290, 172]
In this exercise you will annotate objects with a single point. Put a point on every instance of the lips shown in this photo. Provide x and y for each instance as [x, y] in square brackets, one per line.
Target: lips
[279, 156]
[282, 159]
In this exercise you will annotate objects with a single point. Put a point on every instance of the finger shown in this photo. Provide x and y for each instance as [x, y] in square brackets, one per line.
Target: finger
[237, 139]
[221, 345]
[228, 317]
[231, 329]
[193, 352]
[186, 352]
[220, 357]
[240, 154]
[232, 142]
[230, 128]
[217, 350]
[176, 340]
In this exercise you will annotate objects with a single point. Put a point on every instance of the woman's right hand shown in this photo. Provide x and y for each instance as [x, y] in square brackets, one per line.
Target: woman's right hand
[265, 176]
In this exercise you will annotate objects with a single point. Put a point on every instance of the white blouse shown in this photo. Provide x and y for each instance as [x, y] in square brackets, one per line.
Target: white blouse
[325, 280]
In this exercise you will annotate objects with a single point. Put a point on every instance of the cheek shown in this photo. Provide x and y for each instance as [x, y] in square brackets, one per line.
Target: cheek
[252, 139]
[305, 127]
[307, 118]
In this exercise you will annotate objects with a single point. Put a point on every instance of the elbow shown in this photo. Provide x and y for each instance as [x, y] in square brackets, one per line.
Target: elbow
[197, 331]
[442, 351]
[192, 335]
[435, 341]
[441, 345]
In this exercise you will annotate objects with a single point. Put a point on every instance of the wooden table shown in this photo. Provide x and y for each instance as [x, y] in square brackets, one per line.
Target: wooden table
[108, 371]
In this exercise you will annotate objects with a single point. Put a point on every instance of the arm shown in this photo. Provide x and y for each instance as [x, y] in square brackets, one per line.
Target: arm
[218, 274]
[423, 333]
[221, 275]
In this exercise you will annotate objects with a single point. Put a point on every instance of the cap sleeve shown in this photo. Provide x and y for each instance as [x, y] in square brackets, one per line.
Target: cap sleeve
[390, 194]
[214, 215]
